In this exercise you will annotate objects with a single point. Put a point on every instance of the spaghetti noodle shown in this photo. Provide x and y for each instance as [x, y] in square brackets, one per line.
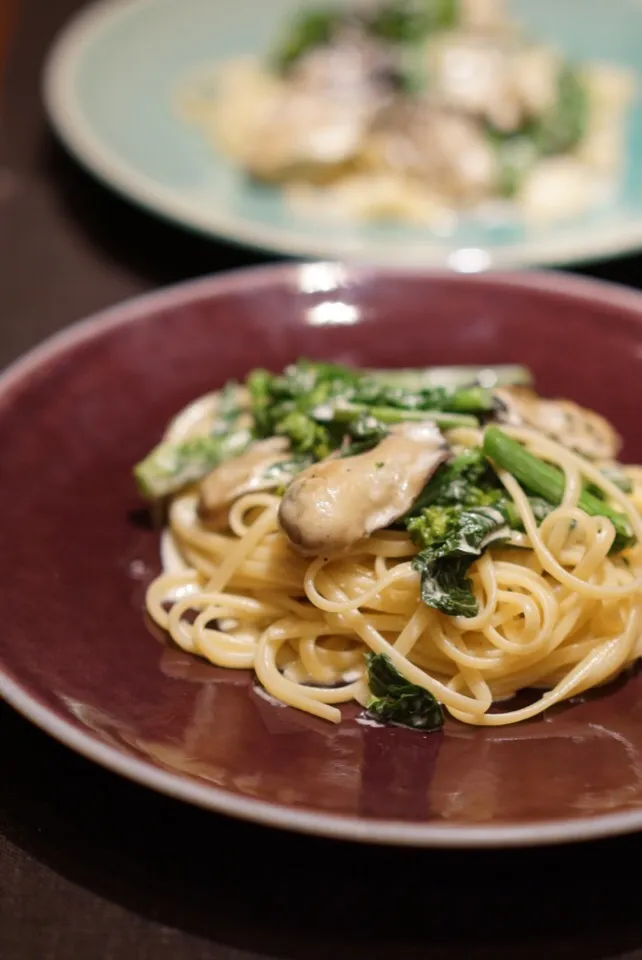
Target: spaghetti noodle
[558, 607]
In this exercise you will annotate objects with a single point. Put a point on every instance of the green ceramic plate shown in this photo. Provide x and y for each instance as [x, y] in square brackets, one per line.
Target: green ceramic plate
[109, 83]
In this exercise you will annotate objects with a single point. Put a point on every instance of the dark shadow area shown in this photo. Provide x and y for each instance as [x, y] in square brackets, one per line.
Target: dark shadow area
[136, 240]
[162, 253]
[307, 897]
[142, 519]
[625, 270]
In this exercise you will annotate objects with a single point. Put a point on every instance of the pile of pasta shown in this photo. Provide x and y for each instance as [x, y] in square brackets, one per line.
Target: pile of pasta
[558, 612]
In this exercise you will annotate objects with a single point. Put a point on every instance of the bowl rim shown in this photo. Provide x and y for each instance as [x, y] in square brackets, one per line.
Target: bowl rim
[219, 800]
[75, 130]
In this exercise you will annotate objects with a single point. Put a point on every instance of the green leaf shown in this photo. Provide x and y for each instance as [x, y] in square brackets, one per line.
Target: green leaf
[259, 384]
[561, 128]
[364, 433]
[312, 28]
[448, 531]
[409, 21]
[517, 154]
[445, 586]
[228, 410]
[282, 472]
[322, 407]
[450, 539]
[465, 480]
[395, 700]
[468, 480]
[557, 131]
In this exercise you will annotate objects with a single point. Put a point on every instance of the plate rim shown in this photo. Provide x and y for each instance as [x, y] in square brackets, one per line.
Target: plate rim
[217, 799]
[76, 133]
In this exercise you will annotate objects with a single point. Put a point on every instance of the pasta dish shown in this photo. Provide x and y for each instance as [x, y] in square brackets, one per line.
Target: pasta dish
[417, 110]
[421, 542]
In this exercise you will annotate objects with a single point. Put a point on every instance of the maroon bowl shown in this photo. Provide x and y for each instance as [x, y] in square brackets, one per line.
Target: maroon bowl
[77, 658]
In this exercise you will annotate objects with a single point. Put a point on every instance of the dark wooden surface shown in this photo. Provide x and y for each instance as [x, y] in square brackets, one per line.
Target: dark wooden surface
[95, 868]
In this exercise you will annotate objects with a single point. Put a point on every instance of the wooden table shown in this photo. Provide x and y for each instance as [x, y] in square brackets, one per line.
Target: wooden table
[95, 868]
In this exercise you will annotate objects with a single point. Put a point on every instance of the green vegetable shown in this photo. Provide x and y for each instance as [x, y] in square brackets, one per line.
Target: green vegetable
[557, 131]
[228, 410]
[280, 474]
[616, 476]
[541, 509]
[401, 22]
[408, 21]
[562, 127]
[451, 378]
[466, 480]
[461, 511]
[305, 435]
[461, 477]
[445, 585]
[450, 539]
[369, 392]
[517, 154]
[412, 73]
[345, 412]
[547, 481]
[451, 531]
[323, 407]
[283, 471]
[395, 700]
[312, 28]
[171, 466]
[364, 434]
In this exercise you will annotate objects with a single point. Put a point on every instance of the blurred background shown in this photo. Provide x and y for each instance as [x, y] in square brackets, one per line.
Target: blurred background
[93, 869]
[69, 245]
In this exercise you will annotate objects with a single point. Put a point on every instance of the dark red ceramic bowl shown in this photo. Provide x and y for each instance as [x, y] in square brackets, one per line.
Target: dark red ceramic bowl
[77, 658]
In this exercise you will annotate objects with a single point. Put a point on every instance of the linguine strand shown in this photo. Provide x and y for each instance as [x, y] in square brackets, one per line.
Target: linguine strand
[556, 612]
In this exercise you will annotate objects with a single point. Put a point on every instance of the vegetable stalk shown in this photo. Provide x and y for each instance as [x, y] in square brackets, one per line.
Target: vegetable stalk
[446, 421]
[171, 466]
[452, 378]
[547, 481]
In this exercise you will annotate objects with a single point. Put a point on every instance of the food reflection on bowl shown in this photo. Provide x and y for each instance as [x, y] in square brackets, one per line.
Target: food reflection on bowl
[85, 667]
[418, 110]
[244, 744]
[425, 542]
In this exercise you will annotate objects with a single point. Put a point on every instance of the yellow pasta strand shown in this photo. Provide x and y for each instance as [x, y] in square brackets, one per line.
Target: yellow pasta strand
[559, 614]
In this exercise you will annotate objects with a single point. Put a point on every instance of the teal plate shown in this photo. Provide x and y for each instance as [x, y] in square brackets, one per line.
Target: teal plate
[109, 86]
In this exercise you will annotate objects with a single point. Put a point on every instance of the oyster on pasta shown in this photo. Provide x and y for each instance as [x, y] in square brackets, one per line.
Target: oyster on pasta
[425, 542]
